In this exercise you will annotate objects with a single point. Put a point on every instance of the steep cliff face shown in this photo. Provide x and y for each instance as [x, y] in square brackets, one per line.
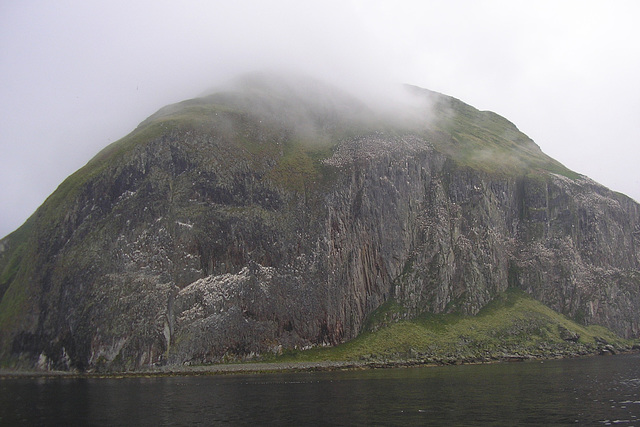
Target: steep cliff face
[274, 216]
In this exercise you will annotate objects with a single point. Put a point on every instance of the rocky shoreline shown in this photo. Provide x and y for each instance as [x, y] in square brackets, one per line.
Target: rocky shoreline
[273, 367]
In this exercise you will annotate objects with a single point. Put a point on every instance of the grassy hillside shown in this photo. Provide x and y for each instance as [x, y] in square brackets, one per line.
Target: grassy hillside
[513, 325]
[484, 140]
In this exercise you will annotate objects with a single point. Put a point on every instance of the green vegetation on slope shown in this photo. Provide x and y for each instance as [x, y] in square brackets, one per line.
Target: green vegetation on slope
[487, 141]
[512, 325]
[19, 252]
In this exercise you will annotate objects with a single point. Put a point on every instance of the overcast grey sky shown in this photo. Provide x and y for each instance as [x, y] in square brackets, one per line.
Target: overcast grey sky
[78, 75]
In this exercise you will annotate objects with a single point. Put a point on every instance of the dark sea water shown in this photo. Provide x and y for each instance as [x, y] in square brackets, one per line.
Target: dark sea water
[589, 391]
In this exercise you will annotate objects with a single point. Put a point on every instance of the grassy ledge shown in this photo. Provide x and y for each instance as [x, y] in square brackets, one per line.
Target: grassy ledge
[513, 326]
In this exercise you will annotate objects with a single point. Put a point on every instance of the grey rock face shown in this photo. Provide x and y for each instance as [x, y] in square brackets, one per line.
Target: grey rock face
[198, 246]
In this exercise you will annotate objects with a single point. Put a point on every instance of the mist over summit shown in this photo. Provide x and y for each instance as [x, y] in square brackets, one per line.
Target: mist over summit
[279, 212]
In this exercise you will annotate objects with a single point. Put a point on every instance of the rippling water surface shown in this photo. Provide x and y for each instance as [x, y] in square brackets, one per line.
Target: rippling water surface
[589, 391]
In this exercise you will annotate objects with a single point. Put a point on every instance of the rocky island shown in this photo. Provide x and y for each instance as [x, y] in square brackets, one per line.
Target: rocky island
[277, 215]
